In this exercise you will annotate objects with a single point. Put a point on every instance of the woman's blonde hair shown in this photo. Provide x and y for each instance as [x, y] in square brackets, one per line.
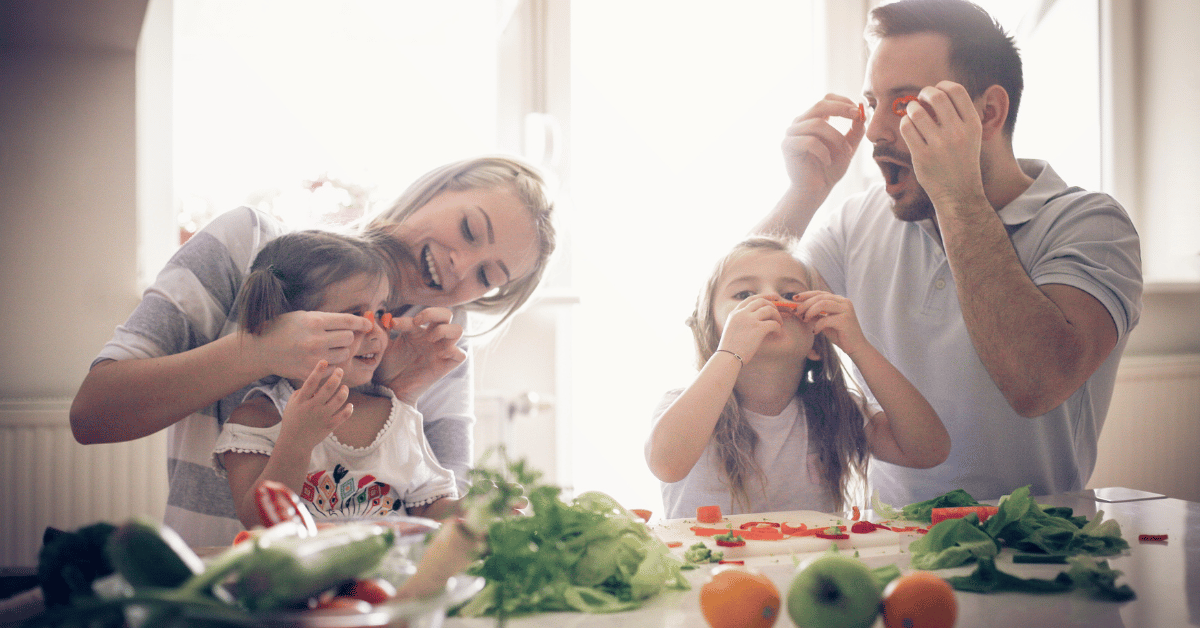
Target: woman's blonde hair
[835, 422]
[487, 173]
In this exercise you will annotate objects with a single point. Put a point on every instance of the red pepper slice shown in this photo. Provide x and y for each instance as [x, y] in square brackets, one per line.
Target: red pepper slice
[1152, 537]
[834, 537]
[749, 525]
[856, 514]
[761, 534]
[734, 543]
[731, 562]
[278, 503]
[703, 531]
[900, 105]
[674, 543]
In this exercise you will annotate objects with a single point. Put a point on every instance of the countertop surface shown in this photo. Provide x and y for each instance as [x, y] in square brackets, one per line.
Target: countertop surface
[1164, 575]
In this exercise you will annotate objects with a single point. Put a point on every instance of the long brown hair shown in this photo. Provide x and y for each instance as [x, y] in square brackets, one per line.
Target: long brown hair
[835, 422]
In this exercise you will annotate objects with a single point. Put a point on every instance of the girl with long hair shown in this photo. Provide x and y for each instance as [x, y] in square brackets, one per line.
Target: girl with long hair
[769, 423]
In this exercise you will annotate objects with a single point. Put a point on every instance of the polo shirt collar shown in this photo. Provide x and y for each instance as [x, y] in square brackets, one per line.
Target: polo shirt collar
[1046, 185]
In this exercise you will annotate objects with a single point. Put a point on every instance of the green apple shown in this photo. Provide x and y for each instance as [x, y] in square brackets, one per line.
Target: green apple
[834, 591]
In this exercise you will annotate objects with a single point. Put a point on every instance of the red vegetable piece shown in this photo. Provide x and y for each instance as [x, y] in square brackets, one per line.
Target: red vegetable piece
[958, 512]
[385, 321]
[369, 316]
[644, 514]
[278, 503]
[761, 534]
[343, 603]
[750, 525]
[674, 543]
[863, 527]
[790, 531]
[370, 590]
[731, 562]
[733, 543]
[832, 532]
[900, 105]
[708, 514]
[1152, 537]
[703, 531]
[244, 535]
[862, 112]
[856, 514]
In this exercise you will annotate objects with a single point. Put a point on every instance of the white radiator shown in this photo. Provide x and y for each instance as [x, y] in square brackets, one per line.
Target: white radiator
[48, 479]
[1149, 441]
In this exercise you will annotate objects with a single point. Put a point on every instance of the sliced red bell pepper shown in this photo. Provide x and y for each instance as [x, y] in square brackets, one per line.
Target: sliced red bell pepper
[790, 531]
[749, 525]
[733, 543]
[833, 532]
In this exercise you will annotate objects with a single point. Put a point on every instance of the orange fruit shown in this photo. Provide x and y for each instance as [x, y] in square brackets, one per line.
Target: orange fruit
[919, 600]
[737, 598]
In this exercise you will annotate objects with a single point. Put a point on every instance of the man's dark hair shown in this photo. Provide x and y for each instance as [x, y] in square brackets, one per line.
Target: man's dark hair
[982, 54]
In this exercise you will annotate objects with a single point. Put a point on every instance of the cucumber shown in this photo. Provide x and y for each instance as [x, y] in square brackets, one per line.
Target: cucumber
[148, 554]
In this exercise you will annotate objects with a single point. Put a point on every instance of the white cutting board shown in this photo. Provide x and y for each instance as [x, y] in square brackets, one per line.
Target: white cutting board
[869, 543]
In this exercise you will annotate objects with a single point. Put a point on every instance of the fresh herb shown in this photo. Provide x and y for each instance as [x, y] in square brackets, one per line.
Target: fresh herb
[589, 554]
[700, 554]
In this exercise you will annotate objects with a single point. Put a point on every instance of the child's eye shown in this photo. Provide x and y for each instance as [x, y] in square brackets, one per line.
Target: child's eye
[743, 295]
[789, 296]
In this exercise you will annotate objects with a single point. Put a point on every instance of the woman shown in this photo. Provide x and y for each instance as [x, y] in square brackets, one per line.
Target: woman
[476, 233]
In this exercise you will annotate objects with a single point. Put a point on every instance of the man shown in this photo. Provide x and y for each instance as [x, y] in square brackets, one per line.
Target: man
[1005, 296]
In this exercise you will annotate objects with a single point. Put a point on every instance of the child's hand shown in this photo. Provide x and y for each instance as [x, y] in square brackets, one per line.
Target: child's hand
[423, 353]
[748, 324]
[834, 316]
[291, 344]
[316, 409]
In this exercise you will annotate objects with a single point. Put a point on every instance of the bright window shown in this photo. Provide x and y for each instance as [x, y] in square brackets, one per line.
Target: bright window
[297, 106]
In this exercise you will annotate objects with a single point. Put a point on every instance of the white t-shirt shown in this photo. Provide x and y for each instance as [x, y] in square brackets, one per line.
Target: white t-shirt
[395, 472]
[793, 477]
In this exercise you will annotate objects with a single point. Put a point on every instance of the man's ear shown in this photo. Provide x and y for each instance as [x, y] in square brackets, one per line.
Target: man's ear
[993, 111]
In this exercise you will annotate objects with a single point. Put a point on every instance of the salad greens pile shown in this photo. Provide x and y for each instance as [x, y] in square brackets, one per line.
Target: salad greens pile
[589, 555]
[1027, 527]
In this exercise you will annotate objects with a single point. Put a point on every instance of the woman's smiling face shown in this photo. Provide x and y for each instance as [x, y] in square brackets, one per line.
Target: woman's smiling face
[464, 244]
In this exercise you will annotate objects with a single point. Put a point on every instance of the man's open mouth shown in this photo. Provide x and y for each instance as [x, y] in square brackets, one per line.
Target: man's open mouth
[429, 271]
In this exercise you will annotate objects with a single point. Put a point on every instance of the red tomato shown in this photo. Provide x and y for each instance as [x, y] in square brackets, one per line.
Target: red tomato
[371, 590]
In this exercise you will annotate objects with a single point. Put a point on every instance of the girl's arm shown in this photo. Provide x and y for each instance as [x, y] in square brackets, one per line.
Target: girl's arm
[122, 400]
[679, 437]
[439, 510]
[311, 415]
[908, 432]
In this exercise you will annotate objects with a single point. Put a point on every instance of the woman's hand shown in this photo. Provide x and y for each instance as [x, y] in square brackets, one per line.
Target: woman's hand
[316, 409]
[424, 351]
[292, 344]
[832, 315]
[747, 325]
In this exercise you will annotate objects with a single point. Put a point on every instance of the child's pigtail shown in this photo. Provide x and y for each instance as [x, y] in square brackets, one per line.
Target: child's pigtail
[263, 297]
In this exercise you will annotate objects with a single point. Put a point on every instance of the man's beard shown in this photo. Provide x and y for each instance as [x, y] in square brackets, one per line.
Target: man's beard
[916, 204]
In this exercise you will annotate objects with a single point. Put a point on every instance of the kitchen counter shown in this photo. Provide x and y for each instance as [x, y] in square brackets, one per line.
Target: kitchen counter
[1164, 575]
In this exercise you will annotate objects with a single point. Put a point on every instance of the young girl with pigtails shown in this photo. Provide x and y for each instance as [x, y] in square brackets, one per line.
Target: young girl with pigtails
[349, 448]
[769, 423]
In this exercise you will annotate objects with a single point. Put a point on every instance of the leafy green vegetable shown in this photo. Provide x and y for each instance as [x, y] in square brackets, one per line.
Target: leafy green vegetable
[589, 555]
[1025, 526]
[951, 543]
[1093, 577]
[923, 511]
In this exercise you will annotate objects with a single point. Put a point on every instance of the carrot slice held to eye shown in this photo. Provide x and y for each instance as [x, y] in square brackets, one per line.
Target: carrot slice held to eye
[385, 321]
